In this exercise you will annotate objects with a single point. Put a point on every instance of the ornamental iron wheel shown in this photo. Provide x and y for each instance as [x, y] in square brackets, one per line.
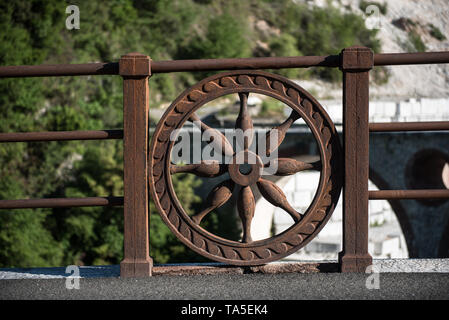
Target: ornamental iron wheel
[188, 228]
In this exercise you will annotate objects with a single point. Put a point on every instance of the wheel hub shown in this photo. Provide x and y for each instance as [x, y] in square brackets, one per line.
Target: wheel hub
[245, 161]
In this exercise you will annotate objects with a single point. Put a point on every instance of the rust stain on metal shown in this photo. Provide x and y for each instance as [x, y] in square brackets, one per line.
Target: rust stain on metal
[281, 131]
[408, 194]
[218, 197]
[287, 167]
[246, 206]
[60, 135]
[206, 168]
[276, 197]
[357, 61]
[135, 70]
[217, 139]
[61, 202]
[409, 126]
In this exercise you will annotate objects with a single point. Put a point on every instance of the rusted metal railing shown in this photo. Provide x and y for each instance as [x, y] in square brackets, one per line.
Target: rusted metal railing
[355, 64]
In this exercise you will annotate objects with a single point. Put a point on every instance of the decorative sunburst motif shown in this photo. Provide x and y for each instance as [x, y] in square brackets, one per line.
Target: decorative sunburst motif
[222, 192]
[306, 224]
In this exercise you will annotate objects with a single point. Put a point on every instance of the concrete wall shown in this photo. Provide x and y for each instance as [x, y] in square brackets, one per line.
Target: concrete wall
[421, 109]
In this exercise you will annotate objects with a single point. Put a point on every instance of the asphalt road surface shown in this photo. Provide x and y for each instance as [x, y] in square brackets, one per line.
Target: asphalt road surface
[237, 287]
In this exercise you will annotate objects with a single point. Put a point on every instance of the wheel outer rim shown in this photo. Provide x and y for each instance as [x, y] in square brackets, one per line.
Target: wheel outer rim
[260, 251]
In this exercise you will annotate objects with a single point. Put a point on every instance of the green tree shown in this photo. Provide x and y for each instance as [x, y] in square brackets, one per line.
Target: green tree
[26, 38]
[286, 46]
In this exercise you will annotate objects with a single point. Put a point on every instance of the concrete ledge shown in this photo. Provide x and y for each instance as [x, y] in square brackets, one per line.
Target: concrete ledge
[167, 269]
[382, 266]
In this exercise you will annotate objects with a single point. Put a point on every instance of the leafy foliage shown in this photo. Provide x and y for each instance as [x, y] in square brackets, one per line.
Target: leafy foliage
[416, 41]
[225, 38]
[436, 32]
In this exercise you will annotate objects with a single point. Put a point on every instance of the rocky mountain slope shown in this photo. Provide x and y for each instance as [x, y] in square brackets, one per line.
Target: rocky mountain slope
[404, 26]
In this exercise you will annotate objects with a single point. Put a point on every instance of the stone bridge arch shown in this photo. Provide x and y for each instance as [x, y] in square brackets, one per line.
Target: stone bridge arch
[398, 210]
[399, 158]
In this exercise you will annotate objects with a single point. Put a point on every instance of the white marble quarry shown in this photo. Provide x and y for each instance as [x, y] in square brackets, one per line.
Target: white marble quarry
[409, 110]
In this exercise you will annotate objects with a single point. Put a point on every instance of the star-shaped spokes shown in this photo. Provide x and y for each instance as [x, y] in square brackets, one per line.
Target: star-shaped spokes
[246, 203]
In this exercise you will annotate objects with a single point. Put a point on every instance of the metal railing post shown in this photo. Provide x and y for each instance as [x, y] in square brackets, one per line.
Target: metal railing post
[135, 70]
[356, 63]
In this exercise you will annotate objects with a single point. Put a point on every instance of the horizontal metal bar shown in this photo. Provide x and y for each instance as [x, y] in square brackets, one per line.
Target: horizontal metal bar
[112, 68]
[385, 59]
[61, 135]
[85, 69]
[408, 194]
[244, 63]
[172, 66]
[409, 126]
[61, 202]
